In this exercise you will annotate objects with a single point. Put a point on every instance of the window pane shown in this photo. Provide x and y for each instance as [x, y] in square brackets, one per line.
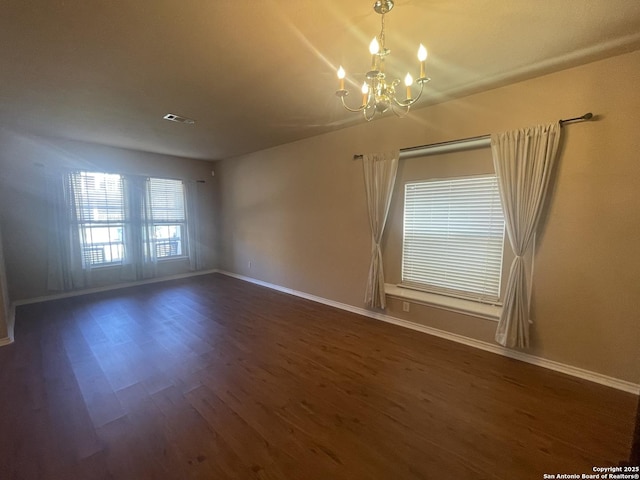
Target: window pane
[102, 245]
[454, 236]
[168, 240]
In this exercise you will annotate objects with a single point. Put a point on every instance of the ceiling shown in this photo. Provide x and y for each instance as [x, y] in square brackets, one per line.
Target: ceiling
[258, 73]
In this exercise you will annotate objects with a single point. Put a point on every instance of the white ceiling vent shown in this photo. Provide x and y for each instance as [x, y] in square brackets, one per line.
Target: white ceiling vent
[177, 118]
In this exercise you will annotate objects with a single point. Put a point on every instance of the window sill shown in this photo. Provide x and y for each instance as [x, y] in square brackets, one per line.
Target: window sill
[173, 259]
[104, 266]
[458, 305]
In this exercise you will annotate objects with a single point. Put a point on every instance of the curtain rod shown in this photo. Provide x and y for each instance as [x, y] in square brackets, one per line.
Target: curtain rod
[466, 143]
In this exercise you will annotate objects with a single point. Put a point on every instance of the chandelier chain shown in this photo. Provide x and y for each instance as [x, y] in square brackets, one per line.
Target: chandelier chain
[382, 42]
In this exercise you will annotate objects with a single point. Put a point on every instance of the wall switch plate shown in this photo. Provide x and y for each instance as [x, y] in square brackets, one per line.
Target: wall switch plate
[405, 306]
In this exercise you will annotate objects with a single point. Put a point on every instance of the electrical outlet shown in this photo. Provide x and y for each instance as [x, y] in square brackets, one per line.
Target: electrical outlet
[405, 306]
[249, 264]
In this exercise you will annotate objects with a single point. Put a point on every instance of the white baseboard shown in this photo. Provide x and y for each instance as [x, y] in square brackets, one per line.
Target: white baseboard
[116, 286]
[517, 355]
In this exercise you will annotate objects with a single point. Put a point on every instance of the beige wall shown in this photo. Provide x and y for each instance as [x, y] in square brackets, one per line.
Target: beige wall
[297, 212]
[24, 162]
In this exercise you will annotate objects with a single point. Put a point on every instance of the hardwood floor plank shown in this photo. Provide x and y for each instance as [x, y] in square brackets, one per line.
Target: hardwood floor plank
[151, 425]
[203, 450]
[74, 436]
[126, 452]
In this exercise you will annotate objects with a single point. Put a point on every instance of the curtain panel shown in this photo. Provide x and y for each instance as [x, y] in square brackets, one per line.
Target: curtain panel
[379, 177]
[196, 261]
[523, 161]
[64, 258]
[140, 261]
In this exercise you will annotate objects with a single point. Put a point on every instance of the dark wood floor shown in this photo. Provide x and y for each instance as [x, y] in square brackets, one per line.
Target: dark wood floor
[215, 378]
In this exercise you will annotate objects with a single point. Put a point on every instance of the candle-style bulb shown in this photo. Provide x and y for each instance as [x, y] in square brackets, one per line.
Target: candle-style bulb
[408, 80]
[374, 46]
[341, 75]
[422, 53]
[365, 93]
[422, 56]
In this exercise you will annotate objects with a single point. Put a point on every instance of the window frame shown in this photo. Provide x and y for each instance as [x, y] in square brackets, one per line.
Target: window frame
[182, 223]
[455, 160]
[442, 290]
[79, 223]
[136, 195]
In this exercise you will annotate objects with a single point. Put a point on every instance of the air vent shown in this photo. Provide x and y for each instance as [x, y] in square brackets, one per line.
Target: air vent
[177, 118]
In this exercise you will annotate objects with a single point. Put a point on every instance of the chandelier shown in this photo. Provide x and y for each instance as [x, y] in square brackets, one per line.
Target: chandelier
[378, 94]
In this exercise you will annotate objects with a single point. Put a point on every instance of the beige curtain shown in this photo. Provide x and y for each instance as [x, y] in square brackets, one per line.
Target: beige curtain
[196, 261]
[379, 176]
[65, 269]
[140, 260]
[523, 160]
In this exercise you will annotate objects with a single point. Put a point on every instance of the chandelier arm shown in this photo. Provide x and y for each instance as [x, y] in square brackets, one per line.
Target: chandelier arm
[400, 110]
[408, 103]
[344, 104]
[368, 118]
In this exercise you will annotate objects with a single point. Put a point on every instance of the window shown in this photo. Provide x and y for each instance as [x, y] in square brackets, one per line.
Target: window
[109, 224]
[168, 218]
[99, 216]
[454, 237]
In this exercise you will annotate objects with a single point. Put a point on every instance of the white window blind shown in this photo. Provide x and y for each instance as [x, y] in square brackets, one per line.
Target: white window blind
[99, 197]
[454, 237]
[167, 200]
